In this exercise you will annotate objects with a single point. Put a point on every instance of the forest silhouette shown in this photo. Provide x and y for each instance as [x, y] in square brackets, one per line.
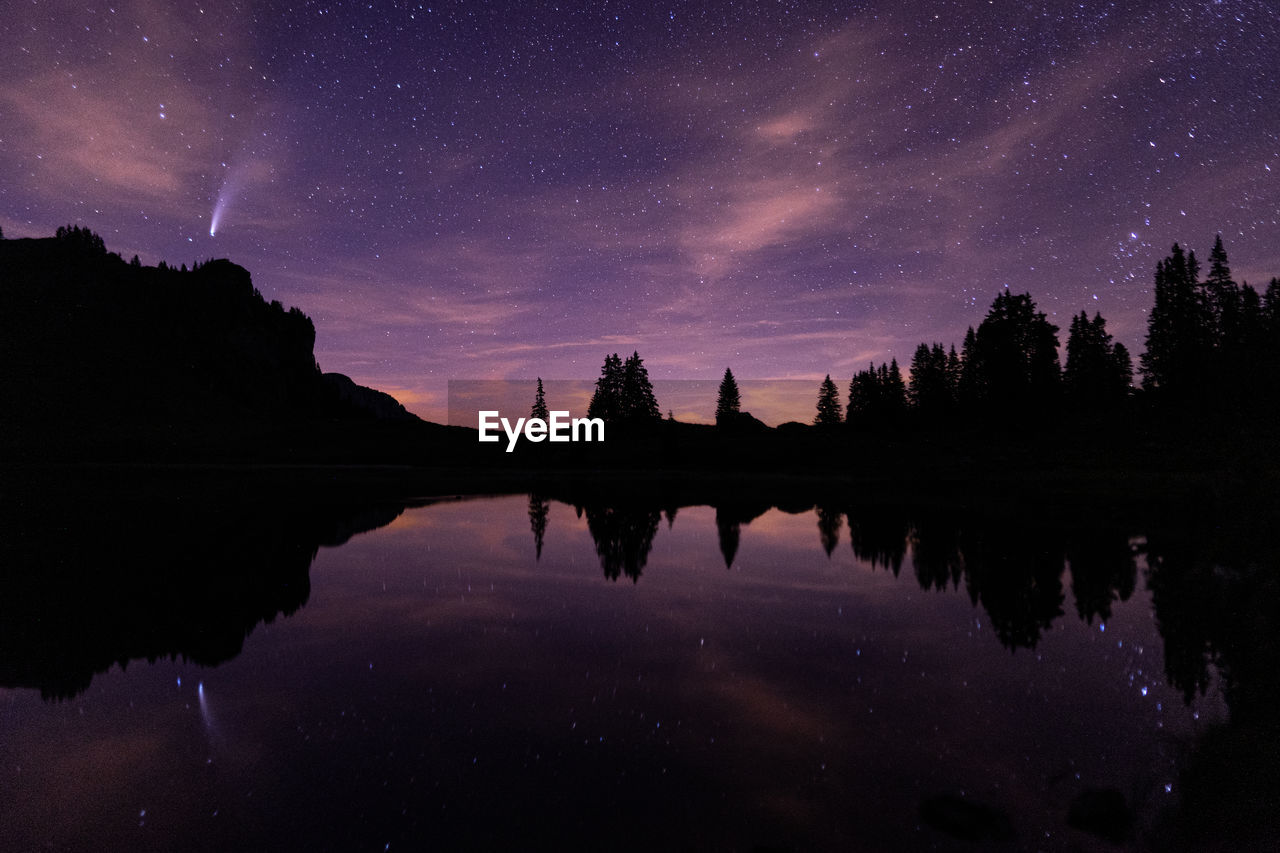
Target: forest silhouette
[117, 361]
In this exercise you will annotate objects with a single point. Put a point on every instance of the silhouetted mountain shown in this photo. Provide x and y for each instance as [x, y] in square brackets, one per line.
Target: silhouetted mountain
[104, 357]
[365, 401]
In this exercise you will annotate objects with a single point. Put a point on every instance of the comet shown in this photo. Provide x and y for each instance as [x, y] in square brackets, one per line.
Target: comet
[218, 207]
[230, 187]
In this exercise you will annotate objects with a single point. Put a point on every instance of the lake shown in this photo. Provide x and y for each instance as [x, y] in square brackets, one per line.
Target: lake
[516, 672]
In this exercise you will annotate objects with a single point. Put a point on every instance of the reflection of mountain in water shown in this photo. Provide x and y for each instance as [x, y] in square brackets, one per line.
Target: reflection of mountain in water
[93, 578]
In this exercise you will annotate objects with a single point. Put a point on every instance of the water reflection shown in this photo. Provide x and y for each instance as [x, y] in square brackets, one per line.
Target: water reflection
[108, 578]
[539, 511]
[809, 698]
[1014, 571]
[623, 536]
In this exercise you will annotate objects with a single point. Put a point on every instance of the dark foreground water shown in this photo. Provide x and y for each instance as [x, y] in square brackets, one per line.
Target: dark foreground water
[520, 673]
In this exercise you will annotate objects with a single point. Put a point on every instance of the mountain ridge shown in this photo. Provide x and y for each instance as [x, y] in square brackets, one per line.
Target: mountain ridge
[104, 356]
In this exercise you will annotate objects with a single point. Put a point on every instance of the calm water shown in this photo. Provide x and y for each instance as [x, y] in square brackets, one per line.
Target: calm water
[843, 683]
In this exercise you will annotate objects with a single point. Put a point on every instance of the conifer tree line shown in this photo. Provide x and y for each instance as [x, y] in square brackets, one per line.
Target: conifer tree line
[1207, 345]
[623, 392]
[1210, 342]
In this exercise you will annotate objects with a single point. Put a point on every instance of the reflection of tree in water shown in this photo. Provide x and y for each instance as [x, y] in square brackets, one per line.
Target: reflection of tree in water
[1016, 574]
[1103, 571]
[879, 537]
[935, 554]
[539, 510]
[1219, 610]
[1217, 602]
[623, 537]
[729, 531]
[730, 517]
[1013, 569]
[830, 521]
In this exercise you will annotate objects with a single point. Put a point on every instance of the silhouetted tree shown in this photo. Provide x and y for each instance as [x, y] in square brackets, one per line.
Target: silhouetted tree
[877, 396]
[728, 403]
[931, 392]
[624, 392]
[1179, 328]
[828, 404]
[81, 238]
[895, 390]
[1271, 302]
[539, 409]
[638, 401]
[970, 387]
[1012, 362]
[1223, 298]
[954, 372]
[1098, 372]
[606, 402]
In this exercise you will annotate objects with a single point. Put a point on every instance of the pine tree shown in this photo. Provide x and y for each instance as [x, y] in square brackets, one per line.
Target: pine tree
[1098, 372]
[540, 404]
[828, 404]
[1122, 368]
[1180, 328]
[1223, 293]
[863, 396]
[895, 391]
[728, 403]
[931, 391]
[606, 402]
[969, 388]
[954, 372]
[638, 400]
[1010, 364]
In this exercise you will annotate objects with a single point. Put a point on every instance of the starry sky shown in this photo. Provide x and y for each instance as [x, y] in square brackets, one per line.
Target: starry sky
[790, 189]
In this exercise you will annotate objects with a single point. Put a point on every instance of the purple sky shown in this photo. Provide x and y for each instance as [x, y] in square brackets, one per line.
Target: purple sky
[461, 191]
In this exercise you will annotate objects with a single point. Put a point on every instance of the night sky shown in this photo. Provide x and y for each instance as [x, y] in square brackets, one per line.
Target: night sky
[466, 190]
